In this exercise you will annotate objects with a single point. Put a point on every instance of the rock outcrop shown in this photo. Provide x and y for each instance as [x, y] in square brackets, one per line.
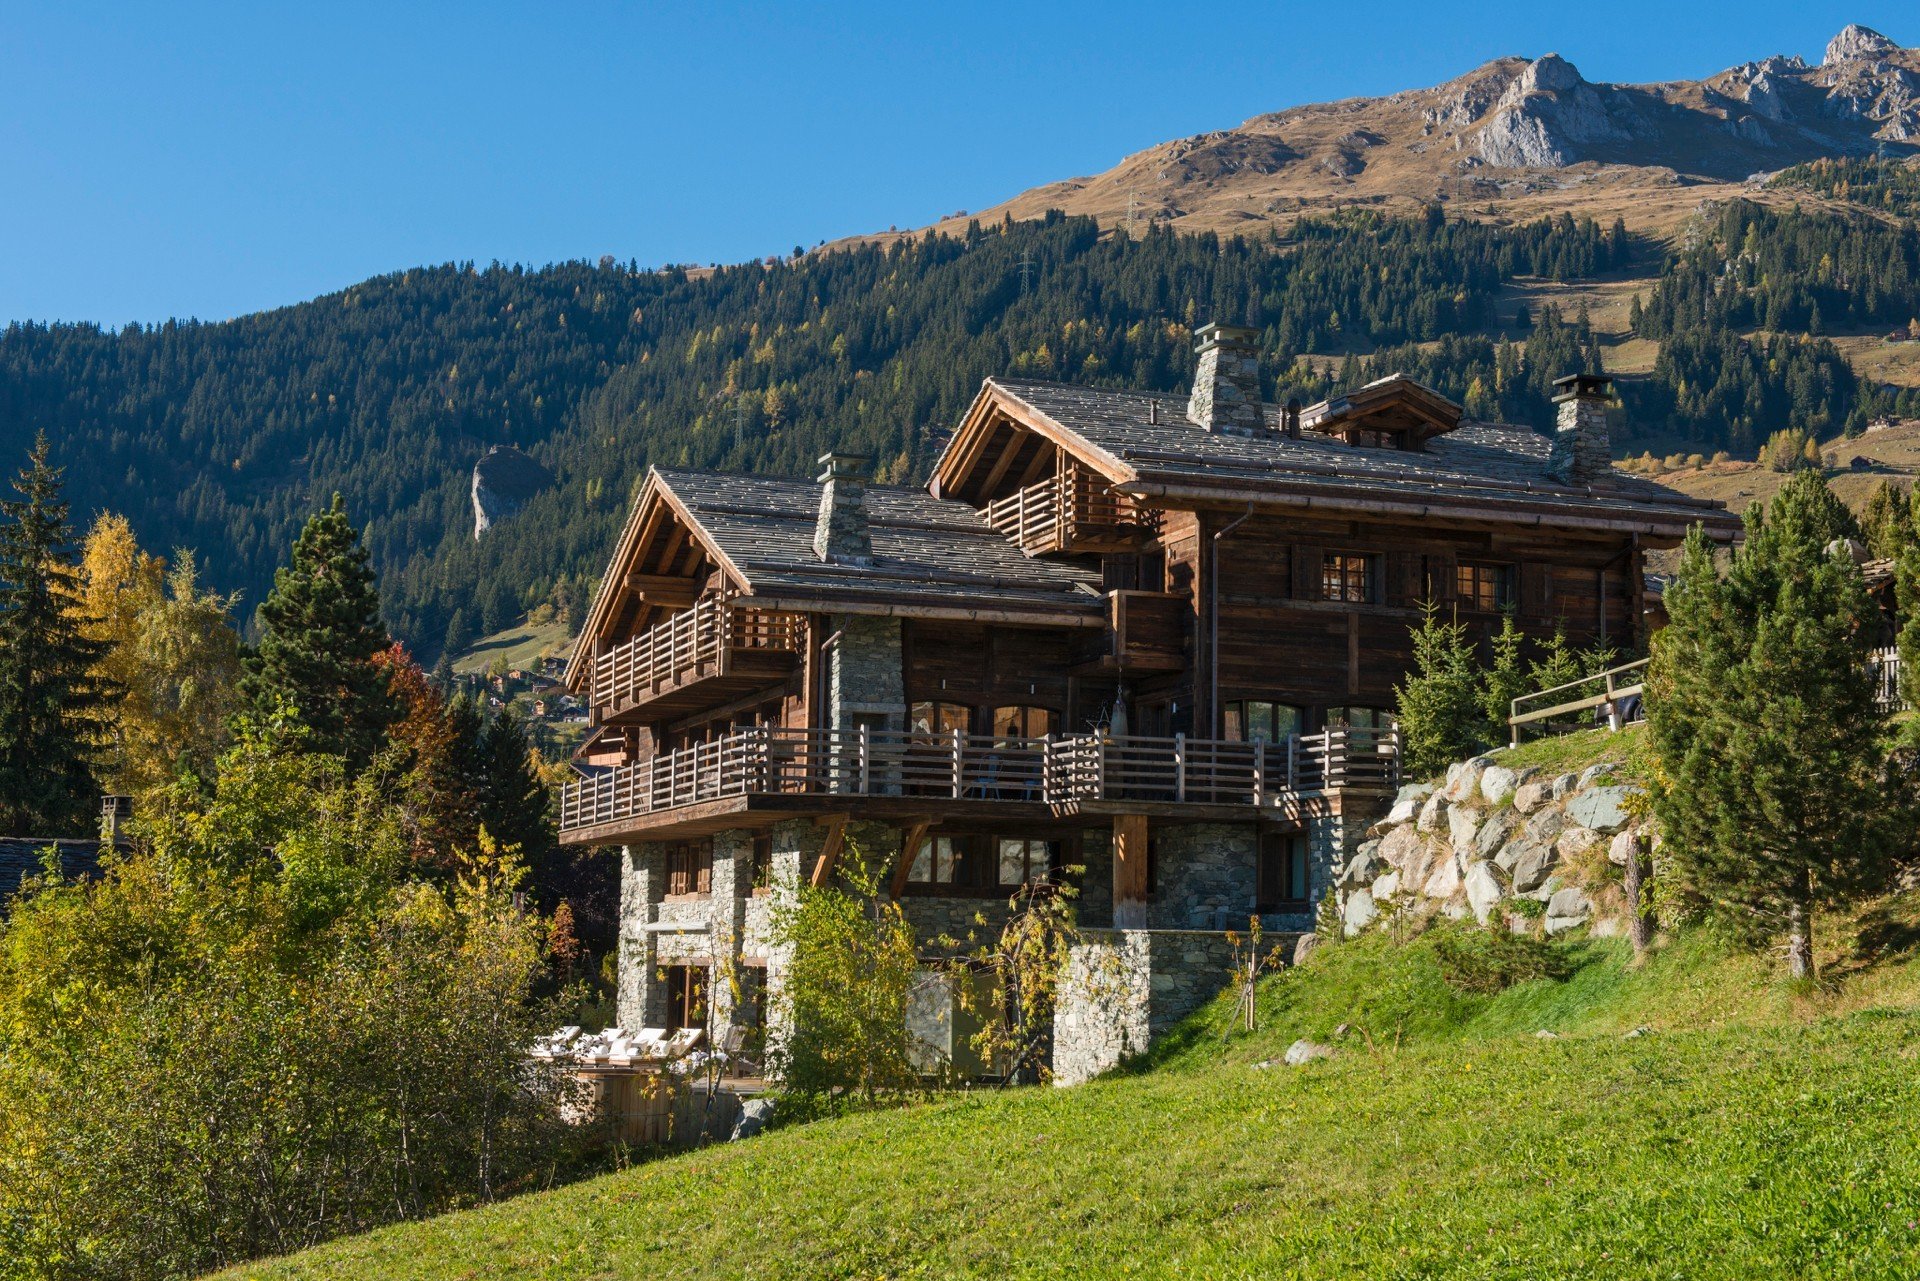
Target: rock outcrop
[503, 480]
[1490, 835]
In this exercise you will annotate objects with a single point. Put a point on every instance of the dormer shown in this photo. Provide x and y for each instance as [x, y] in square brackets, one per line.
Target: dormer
[1394, 412]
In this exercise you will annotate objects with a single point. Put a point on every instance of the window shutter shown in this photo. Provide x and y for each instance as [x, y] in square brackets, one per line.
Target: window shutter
[1306, 573]
[1403, 578]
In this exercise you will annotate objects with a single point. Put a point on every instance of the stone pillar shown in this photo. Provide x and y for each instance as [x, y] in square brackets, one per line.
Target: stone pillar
[864, 677]
[1582, 451]
[640, 999]
[1226, 382]
[732, 882]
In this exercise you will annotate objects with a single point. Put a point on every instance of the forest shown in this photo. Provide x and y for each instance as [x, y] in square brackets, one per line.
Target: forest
[226, 436]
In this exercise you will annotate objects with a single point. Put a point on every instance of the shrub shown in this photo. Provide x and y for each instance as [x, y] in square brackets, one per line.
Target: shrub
[1492, 960]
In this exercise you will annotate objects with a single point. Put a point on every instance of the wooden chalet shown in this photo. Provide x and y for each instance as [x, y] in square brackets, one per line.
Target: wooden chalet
[1154, 639]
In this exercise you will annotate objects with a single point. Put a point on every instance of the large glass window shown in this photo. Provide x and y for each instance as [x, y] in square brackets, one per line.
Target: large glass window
[947, 860]
[1483, 587]
[686, 996]
[932, 721]
[1281, 882]
[1359, 718]
[1024, 861]
[1348, 577]
[1253, 720]
[1022, 722]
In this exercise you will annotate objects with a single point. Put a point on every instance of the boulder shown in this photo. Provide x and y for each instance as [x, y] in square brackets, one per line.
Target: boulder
[1432, 813]
[1304, 946]
[1463, 781]
[1604, 809]
[1574, 841]
[1531, 868]
[1462, 824]
[1530, 796]
[1494, 833]
[1304, 1051]
[1622, 847]
[1401, 846]
[1359, 912]
[1593, 774]
[1362, 867]
[1567, 909]
[1407, 803]
[1563, 785]
[1444, 882]
[1484, 890]
[755, 1116]
[1497, 783]
[1386, 887]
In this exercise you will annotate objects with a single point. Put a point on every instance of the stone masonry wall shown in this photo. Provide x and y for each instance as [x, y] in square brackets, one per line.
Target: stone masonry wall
[1123, 988]
[864, 677]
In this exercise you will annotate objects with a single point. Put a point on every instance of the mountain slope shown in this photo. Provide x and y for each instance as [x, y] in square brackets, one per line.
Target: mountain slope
[1517, 138]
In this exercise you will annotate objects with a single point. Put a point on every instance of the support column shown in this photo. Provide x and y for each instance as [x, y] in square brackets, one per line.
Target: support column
[1130, 891]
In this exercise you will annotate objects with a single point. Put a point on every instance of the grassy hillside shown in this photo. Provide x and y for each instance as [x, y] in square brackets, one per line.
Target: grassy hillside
[1755, 1130]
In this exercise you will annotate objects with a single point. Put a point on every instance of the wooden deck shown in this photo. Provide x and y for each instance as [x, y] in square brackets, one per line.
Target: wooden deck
[701, 655]
[890, 774]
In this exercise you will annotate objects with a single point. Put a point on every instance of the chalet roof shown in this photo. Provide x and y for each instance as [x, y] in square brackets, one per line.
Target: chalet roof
[21, 857]
[926, 551]
[1497, 470]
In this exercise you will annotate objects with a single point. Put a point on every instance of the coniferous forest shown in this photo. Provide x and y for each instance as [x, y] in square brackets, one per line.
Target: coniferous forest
[226, 436]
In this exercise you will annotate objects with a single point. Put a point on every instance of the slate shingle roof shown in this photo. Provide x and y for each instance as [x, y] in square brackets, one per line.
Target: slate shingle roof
[21, 857]
[1495, 465]
[926, 550]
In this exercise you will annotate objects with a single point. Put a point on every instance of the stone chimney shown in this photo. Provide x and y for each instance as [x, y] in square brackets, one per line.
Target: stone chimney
[1582, 452]
[1226, 386]
[840, 534]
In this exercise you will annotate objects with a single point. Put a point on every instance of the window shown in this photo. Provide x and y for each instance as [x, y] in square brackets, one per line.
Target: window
[686, 996]
[1021, 722]
[1369, 439]
[1024, 862]
[1260, 721]
[690, 868]
[750, 1010]
[762, 867]
[1348, 577]
[946, 860]
[1359, 718]
[1281, 881]
[934, 721]
[1484, 587]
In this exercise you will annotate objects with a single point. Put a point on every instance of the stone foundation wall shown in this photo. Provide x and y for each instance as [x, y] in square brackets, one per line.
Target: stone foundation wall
[1124, 988]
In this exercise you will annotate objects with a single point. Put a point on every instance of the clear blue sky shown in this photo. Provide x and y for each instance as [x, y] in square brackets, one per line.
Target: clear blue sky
[166, 159]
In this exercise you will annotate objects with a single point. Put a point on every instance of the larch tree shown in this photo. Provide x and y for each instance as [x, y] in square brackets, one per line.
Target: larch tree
[52, 702]
[170, 654]
[320, 629]
[1773, 790]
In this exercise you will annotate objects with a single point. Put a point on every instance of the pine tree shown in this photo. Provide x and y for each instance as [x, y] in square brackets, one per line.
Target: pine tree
[1440, 711]
[1505, 680]
[513, 799]
[320, 628]
[1772, 797]
[52, 704]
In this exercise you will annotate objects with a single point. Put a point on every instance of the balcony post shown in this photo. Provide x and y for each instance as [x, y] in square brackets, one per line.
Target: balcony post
[866, 764]
[956, 747]
[1179, 767]
[1293, 762]
[1259, 774]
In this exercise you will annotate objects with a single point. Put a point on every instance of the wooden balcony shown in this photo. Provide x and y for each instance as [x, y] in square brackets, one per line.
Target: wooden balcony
[895, 772]
[1073, 511]
[703, 655]
[1146, 632]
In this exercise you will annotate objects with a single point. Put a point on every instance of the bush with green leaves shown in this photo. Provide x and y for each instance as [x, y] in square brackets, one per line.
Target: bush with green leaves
[256, 1032]
[1493, 960]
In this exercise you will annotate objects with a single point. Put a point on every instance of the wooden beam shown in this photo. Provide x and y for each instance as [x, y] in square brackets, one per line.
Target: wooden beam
[1015, 444]
[910, 839]
[823, 866]
[664, 591]
[1130, 871]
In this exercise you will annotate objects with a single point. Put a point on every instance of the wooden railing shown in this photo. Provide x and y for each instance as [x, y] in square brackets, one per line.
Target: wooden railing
[695, 641]
[1618, 690]
[1057, 771]
[1048, 515]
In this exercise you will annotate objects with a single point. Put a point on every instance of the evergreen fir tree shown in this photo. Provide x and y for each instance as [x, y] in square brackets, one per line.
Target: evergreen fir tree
[53, 708]
[1440, 710]
[1772, 794]
[320, 629]
[513, 800]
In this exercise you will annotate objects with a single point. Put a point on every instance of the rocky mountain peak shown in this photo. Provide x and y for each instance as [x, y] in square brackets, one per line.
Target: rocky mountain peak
[1856, 41]
[503, 480]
